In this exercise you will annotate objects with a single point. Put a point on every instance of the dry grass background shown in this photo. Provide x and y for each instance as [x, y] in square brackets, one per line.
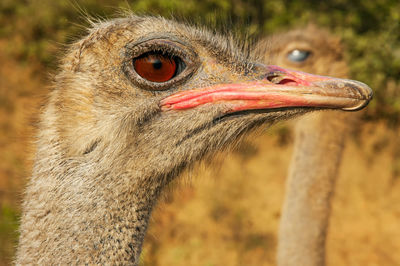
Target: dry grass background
[228, 213]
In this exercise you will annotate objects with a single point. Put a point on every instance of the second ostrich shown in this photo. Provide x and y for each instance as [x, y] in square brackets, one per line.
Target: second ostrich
[319, 142]
[137, 101]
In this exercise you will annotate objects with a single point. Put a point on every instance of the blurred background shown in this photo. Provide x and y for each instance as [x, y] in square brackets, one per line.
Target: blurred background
[237, 223]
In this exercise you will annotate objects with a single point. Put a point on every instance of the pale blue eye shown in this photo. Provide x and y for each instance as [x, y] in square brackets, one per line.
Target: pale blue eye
[298, 55]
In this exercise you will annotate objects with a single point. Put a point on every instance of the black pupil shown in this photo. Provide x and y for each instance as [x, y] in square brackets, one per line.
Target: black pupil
[157, 64]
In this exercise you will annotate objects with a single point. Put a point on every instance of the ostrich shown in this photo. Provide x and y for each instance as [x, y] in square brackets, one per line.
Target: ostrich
[135, 102]
[319, 142]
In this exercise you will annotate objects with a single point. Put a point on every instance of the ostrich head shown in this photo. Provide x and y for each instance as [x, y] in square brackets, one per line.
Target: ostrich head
[309, 49]
[148, 82]
[135, 102]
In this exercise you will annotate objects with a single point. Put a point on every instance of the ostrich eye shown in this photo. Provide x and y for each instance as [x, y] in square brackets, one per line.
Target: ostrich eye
[298, 55]
[158, 67]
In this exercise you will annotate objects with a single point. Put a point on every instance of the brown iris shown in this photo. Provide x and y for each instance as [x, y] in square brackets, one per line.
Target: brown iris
[155, 67]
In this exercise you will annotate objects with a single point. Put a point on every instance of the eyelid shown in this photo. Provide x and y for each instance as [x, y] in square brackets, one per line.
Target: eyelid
[171, 45]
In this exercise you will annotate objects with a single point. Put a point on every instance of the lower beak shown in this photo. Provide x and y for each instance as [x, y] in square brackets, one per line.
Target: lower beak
[278, 88]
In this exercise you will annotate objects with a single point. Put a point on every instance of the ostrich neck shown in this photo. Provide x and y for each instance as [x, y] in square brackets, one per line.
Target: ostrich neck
[318, 149]
[78, 212]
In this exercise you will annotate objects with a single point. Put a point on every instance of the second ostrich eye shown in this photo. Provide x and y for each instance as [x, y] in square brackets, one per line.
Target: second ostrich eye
[158, 67]
[298, 56]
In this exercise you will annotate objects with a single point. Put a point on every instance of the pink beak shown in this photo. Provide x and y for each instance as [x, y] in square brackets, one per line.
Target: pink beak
[278, 89]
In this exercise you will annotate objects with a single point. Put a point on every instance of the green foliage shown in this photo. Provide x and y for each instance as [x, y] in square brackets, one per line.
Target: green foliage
[8, 232]
[370, 29]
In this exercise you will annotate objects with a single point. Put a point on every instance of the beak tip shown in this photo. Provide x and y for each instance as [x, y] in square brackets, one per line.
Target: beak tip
[358, 107]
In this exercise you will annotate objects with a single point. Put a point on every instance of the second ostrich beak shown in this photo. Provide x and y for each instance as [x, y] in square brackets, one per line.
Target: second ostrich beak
[276, 88]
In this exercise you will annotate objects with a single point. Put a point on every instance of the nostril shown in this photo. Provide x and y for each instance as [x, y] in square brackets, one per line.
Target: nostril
[286, 81]
[273, 78]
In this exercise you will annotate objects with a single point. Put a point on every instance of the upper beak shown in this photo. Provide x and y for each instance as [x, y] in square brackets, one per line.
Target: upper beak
[277, 88]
